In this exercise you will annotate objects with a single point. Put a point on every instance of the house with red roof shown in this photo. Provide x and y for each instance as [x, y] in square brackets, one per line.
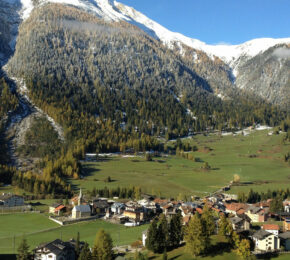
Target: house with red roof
[272, 228]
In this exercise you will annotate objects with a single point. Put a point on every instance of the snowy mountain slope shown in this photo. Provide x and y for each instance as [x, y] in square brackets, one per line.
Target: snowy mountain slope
[232, 58]
[232, 55]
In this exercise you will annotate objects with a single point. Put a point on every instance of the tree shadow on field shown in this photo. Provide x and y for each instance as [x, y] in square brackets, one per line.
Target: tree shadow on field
[270, 255]
[8, 257]
[106, 159]
[175, 257]
[219, 249]
[87, 172]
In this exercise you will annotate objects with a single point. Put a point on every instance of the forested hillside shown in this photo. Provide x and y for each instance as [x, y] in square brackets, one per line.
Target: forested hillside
[110, 84]
[8, 103]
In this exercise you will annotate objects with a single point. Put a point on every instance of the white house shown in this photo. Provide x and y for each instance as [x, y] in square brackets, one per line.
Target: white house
[118, 208]
[11, 200]
[55, 250]
[266, 241]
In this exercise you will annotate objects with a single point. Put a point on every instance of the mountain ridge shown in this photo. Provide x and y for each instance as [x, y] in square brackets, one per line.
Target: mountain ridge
[116, 11]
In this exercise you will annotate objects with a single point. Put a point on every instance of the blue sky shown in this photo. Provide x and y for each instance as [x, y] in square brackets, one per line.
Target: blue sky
[217, 21]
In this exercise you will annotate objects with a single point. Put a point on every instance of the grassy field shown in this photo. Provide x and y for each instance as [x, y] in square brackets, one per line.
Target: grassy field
[257, 159]
[37, 229]
[215, 253]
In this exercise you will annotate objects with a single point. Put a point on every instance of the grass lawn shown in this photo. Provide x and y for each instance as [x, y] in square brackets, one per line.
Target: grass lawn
[181, 254]
[37, 229]
[170, 176]
[13, 189]
[218, 251]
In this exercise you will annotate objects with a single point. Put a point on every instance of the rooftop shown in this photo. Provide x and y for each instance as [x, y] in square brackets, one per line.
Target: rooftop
[270, 227]
[261, 234]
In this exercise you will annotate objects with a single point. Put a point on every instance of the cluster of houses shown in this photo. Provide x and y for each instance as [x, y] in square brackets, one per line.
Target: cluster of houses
[242, 215]
[246, 219]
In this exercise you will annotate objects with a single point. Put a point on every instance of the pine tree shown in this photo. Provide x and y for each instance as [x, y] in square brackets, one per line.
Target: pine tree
[195, 236]
[103, 246]
[85, 253]
[162, 234]
[151, 241]
[226, 228]
[175, 230]
[23, 250]
[235, 239]
[244, 249]
[208, 219]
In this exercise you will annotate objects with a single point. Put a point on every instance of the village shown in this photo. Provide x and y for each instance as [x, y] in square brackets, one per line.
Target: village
[268, 231]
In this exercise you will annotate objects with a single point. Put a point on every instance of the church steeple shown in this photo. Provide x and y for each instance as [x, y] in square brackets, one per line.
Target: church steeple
[80, 199]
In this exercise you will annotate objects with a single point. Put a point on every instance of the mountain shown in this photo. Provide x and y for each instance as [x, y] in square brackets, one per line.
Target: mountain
[111, 78]
[233, 58]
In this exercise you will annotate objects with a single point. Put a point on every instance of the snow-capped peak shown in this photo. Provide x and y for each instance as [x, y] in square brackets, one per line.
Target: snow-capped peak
[114, 11]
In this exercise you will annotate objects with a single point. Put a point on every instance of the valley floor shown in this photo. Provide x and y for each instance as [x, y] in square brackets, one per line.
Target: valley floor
[257, 158]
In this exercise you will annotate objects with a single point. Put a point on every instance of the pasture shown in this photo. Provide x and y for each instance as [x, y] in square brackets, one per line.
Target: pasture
[37, 228]
[256, 158]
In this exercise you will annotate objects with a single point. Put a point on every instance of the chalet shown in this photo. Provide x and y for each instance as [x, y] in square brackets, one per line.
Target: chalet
[271, 228]
[81, 211]
[148, 205]
[135, 216]
[100, 206]
[52, 207]
[240, 224]
[235, 208]
[118, 208]
[55, 250]
[257, 214]
[266, 241]
[168, 209]
[186, 210]
[57, 209]
[285, 240]
[11, 200]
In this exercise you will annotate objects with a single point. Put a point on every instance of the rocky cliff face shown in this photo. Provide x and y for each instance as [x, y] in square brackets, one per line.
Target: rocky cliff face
[9, 22]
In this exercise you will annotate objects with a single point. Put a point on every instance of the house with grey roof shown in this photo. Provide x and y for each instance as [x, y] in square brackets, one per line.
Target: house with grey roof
[285, 240]
[118, 208]
[11, 200]
[100, 206]
[240, 224]
[266, 241]
[55, 250]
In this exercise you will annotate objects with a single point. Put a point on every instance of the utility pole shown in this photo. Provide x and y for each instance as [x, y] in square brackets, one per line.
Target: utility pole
[14, 244]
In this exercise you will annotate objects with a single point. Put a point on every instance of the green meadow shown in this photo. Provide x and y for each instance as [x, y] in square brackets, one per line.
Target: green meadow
[257, 159]
[37, 228]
